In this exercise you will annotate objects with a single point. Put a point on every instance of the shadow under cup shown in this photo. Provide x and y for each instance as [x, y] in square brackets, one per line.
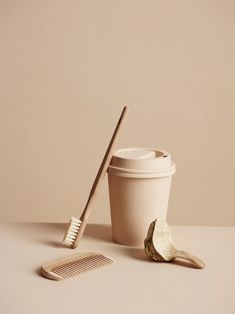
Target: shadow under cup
[139, 187]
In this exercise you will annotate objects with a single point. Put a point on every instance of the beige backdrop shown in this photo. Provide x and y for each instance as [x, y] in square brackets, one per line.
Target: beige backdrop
[66, 69]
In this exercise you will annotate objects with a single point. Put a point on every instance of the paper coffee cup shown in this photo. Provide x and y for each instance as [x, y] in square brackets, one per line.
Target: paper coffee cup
[139, 186]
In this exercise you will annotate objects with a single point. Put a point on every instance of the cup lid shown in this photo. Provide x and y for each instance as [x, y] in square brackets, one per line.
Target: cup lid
[141, 162]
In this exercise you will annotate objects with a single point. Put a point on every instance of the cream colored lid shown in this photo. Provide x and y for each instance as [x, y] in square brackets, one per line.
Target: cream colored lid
[141, 162]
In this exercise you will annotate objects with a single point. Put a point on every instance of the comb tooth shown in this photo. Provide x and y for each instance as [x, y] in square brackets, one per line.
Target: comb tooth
[81, 265]
[74, 260]
[69, 268]
[73, 265]
[69, 273]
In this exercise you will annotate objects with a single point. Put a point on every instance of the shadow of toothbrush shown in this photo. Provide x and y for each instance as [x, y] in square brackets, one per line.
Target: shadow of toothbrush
[94, 231]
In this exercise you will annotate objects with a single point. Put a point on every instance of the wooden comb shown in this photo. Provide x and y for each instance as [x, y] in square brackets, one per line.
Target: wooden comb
[74, 265]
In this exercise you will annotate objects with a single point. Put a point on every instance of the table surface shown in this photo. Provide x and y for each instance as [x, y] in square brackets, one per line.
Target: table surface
[132, 284]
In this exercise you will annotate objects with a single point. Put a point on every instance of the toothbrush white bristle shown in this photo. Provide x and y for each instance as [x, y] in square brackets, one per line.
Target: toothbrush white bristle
[72, 231]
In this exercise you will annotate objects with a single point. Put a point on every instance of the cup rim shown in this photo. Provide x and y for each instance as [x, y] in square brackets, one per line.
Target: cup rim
[160, 165]
[121, 172]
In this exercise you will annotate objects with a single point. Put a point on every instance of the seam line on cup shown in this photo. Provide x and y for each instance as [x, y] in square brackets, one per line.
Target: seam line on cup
[143, 174]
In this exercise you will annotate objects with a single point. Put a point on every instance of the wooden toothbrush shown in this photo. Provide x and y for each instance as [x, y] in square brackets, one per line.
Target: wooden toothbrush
[77, 226]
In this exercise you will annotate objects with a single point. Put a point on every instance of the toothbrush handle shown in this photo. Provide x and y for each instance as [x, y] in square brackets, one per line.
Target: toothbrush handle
[191, 258]
[107, 157]
[100, 174]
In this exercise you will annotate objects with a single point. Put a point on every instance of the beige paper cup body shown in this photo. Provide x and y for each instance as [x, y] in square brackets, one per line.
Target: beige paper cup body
[139, 187]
